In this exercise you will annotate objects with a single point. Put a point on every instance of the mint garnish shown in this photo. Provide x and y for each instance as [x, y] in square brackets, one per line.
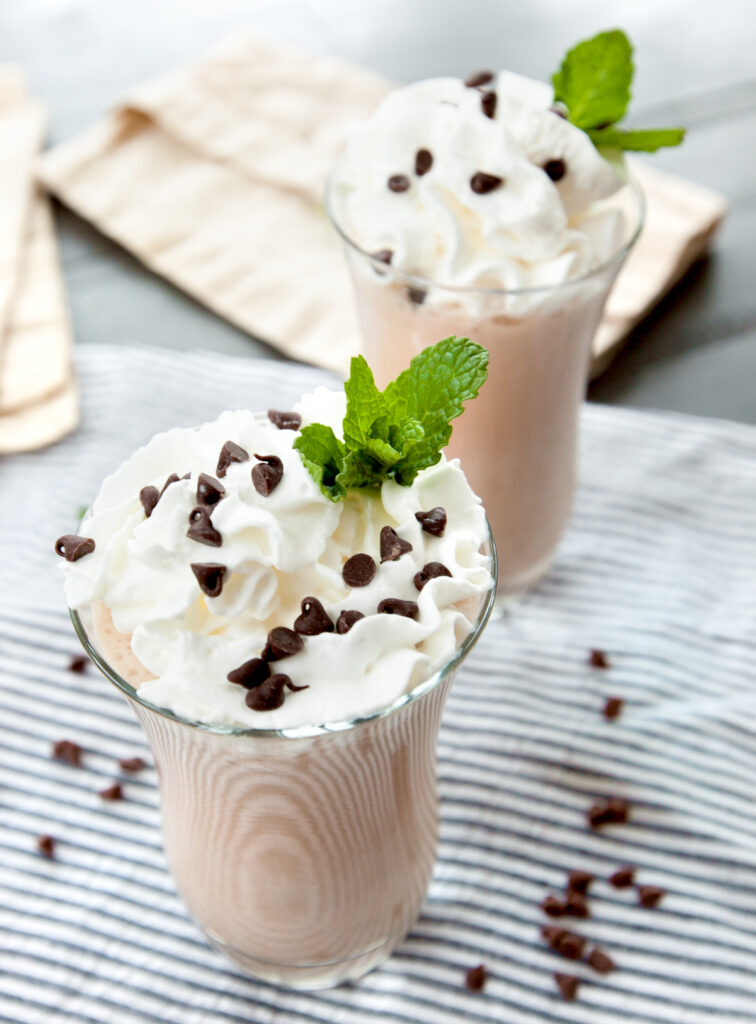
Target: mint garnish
[393, 434]
[593, 82]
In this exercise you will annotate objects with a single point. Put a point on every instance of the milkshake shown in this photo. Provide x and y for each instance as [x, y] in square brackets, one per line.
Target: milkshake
[287, 639]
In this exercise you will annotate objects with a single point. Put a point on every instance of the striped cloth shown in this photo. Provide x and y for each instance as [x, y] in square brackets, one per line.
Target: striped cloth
[657, 569]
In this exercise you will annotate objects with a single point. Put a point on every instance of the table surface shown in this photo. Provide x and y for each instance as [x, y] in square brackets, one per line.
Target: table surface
[694, 66]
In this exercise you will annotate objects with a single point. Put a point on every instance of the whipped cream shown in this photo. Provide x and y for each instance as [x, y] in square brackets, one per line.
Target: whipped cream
[531, 230]
[277, 550]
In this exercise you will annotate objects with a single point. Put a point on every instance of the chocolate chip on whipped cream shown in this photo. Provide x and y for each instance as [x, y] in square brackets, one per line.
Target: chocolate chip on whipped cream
[230, 452]
[347, 619]
[482, 183]
[396, 606]
[209, 490]
[478, 78]
[430, 571]
[398, 183]
[433, 521]
[209, 576]
[314, 619]
[285, 420]
[556, 169]
[72, 547]
[488, 103]
[172, 479]
[201, 528]
[358, 570]
[423, 162]
[392, 545]
[250, 673]
[282, 642]
[149, 497]
[267, 474]
[269, 695]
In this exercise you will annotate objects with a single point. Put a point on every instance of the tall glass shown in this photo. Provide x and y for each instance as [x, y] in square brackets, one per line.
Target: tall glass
[304, 854]
[518, 439]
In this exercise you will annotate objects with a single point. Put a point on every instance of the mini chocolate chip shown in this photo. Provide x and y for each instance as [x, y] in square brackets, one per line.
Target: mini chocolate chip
[431, 571]
[392, 545]
[266, 475]
[201, 528]
[282, 643]
[569, 945]
[78, 664]
[613, 708]
[358, 570]
[623, 877]
[131, 764]
[113, 792]
[395, 606]
[481, 182]
[552, 906]
[650, 895]
[250, 673]
[579, 881]
[598, 659]
[488, 103]
[230, 452]
[614, 812]
[555, 169]
[209, 490]
[149, 497]
[209, 576]
[568, 985]
[68, 752]
[476, 978]
[433, 521]
[172, 479]
[314, 618]
[284, 420]
[416, 295]
[269, 694]
[552, 934]
[398, 183]
[383, 256]
[346, 620]
[576, 905]
[72, 547]
[600, 961]
[423, 162]
[478, 78]
[46, 846]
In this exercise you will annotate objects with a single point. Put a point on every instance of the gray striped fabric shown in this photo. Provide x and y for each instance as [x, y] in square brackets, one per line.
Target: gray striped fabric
[658, 569]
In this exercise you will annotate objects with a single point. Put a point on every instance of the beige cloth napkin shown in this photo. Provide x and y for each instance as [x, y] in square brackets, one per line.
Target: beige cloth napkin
[213, 174]
[38, 401]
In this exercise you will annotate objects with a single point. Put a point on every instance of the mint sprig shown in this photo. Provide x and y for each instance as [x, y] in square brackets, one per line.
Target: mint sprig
[395, 433]
[594, 84]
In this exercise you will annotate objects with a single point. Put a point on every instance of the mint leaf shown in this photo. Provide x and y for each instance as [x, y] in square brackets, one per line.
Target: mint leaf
[646, 140]
[323, 456]
[365, 403]
[594, 79]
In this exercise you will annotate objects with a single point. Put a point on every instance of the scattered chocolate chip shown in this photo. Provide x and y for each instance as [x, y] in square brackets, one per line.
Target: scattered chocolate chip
[285, 420]
[314, 618]
[568, 985]
[346, 620]
[201, 528]
[552, 934]
[622, 878]
[269, 694]
[250, 673]
[560, 112]
[478, 78]
[600, 961]
[172, 479]
[416, 295]
[46, 846]
[433, 522]
[552, 906]
[613, 708]
[423, 162]
[555, 169]
[576, 906]
[598, 659]
[67, 751]
[488, 104]
[650, 895]
[113, 792]
[72, 547]
[78, 664]
[579, 881]
[266, 475]
[395, 606]
[481, 183]
[358, 570]
[383, 256]
[209, 490]
[398, 183]
[476, 978]
[131, 764]
[392, 545]
[569, 945]
[209, 576]
[282, 643]
[149, 497]
[430, 571]
[614, 812]
[230, 452]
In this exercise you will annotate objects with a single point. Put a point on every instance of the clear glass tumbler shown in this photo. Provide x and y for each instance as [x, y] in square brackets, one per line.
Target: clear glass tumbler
[518, 439]
[303, 854]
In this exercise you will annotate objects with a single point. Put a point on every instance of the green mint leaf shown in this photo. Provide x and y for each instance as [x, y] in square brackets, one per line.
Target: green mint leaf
[323, 456]
[365, 404]
[646, 140]
[81, 513]
[594, 79]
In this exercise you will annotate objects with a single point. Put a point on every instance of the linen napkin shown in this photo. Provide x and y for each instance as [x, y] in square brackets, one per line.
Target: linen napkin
[212, 175]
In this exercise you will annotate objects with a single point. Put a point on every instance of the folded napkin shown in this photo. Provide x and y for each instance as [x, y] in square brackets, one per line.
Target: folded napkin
[38, 401]
[656, 569]
[213, 175]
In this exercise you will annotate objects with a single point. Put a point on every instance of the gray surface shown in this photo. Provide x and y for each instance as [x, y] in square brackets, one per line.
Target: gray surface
[696, 353]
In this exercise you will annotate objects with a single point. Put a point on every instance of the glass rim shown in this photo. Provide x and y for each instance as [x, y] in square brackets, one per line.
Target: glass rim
[325, 728]
[415, 280]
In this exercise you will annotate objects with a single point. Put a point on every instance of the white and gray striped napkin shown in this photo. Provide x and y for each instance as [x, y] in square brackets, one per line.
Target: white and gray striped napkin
[658, 569]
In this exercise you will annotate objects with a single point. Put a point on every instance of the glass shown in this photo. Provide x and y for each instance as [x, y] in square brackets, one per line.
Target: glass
[518, 439]
[304, 854]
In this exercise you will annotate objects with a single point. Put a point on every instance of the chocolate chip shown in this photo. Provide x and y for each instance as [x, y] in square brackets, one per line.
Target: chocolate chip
[209, 490]
[579, 881]
[433, 522]
[314, 618]
[568, 985]
[576, 905]
[269, 694]
[552, 934]
[383, 256]
[614, 812]
[431, 571]
[569, 945]
[476, 978]
[46, 846]
[488, 103]
[250, 673]
[149, 497]
[131, 764]
[423, 162]
[600, 961]
[392, 545]
[285, 420]
[72, 547]
[346, 620]
[481, 182]
[78, 664]
[358, 570]
[266, 475]
[172, 479]
[613, 708]
[552, 906]
[398, 183]
[479, 78]
[282, 643]
[67, 751]
[395, 606]
[556, 169]
[598, 659]
[230, 452]
[209, 576]
[201, 528]
[650, 895]
[113, 792]
[416, 295]
[622, 878]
